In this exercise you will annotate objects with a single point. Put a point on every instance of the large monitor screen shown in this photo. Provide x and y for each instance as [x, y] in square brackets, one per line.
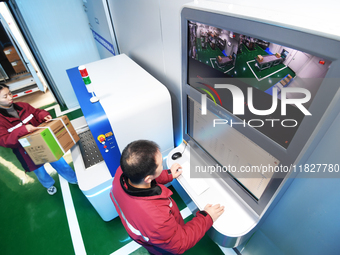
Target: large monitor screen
[256, 92]
[278, 83]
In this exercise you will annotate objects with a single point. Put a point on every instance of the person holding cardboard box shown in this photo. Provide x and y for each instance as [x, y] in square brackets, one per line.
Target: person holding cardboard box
[19, 119]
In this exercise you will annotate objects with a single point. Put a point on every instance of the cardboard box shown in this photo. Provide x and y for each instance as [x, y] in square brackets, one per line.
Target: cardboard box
[11, 54]
[70, 128]
[18, 66]
[51, 141]
[259, 58]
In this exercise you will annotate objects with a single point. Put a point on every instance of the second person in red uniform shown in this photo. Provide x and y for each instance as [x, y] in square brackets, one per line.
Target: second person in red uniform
[146, 209]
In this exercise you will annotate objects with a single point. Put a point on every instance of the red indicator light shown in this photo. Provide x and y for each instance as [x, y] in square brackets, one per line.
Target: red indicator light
[15, 96]
[28, 91]
[322, 62]
[83, 71]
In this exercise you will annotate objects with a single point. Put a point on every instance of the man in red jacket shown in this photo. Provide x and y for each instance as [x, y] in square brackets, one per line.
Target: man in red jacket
[145, 207]
[19, 119]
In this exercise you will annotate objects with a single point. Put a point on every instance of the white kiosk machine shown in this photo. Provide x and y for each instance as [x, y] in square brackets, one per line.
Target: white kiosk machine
[132, 105]
[258, 95]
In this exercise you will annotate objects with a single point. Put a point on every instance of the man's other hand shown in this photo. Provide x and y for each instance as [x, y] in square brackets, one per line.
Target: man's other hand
[176, 170]
[214, 211]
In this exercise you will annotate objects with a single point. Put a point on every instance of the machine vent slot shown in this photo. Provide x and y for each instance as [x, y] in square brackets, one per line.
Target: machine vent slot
[89, 149]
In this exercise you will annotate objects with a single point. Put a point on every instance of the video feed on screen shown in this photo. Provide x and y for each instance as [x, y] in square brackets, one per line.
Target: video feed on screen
[218, 56]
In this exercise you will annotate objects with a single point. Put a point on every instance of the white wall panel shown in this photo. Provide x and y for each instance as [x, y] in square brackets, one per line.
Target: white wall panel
[148, 31]
[138, 29]
[171, 21]
[61, 32]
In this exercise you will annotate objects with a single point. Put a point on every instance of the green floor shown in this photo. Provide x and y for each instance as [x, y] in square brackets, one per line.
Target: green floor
[244, 68]
[33, 222]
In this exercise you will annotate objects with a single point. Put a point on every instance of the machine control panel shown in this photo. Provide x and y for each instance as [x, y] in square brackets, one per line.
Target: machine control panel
[106, 141]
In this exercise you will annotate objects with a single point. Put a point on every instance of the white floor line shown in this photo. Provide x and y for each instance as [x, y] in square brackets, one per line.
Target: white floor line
[132, 246]
[265, 76]
[55, 107]
[185, 212]
[77, 239]
[58, 112]
[252, 69]
[127, 249]
[211, 61]
[229, 69]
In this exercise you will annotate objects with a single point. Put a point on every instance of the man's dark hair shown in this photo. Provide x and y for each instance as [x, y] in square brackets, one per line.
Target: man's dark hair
[138, 160]
[2, 86]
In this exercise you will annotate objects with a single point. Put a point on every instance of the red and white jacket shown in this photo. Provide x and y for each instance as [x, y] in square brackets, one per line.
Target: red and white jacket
[152, 218]
[11, 129]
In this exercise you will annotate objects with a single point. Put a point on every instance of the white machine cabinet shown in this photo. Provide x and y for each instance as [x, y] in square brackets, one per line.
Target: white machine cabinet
[132, 105]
